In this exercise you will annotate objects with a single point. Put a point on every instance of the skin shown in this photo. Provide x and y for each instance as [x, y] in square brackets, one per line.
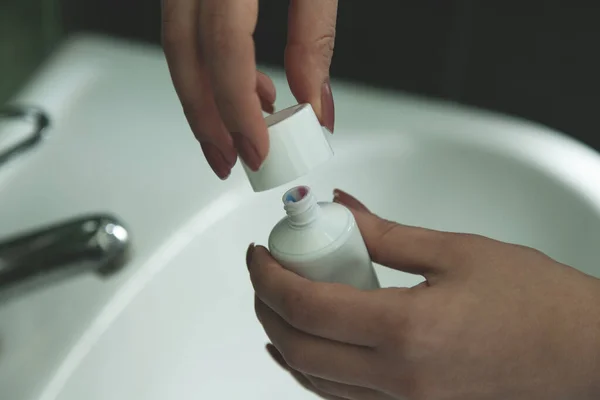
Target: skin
[210, 52]
[491, 321]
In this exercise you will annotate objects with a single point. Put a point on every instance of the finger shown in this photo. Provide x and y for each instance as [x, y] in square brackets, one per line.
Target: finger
[298, 376]
[324, 388]
[226, 28]
[341, 197]
[316, 356]
[311, 38]
[344, 391]
[266, 92]
[410, 249]
[182, 51]
[332, 311]
[216, 159]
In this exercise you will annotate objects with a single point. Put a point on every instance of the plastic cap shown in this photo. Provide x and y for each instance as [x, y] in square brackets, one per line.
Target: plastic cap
[297, 144]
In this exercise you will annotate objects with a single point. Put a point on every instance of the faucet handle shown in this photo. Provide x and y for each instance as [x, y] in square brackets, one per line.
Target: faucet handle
[21, 128]
[89, 243]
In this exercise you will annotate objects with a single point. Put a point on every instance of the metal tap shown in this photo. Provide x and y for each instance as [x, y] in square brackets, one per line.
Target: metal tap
[89, 243]
[97, 243]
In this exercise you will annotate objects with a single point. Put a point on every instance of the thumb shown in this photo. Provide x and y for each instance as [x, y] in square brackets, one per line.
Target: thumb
[311, 37]
[414, 250]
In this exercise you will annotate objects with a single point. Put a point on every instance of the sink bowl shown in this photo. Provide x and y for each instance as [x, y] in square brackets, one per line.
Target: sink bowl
[185, 327]
[180, 323]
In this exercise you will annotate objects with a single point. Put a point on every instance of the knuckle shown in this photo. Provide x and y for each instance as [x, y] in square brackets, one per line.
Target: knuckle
[318, 384]
[321, 384]
[221, 32]
[294, 356]
[453, 248]
[399, 339]
[325, 43]
[319, 49]
[386, 232]
[530, 251]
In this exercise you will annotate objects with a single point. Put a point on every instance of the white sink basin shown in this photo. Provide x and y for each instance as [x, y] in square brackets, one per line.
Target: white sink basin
[179, 323]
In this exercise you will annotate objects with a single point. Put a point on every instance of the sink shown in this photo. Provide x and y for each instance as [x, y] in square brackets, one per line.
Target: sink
[179, 322]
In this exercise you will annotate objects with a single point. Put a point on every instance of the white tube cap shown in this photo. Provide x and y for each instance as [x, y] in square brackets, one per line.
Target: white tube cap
[297, 144]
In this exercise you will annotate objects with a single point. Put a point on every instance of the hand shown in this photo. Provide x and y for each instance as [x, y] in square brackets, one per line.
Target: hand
[491, 321]
[210, 52]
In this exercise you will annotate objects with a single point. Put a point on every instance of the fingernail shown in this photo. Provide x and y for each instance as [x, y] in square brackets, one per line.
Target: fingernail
[267, 106]
[341, 197]
[276, 356]
[249, 253]
[217, 160]
[327, 106]
[247, 151]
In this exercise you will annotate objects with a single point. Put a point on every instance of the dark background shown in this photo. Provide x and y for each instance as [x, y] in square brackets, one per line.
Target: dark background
[537, 59]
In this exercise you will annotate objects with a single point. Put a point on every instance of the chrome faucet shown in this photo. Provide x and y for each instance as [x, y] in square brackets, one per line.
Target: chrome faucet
[38, 122]
[97, 243]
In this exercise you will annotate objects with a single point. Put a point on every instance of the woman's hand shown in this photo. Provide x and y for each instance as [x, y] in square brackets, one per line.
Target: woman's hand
[210, 52]
[491, 321]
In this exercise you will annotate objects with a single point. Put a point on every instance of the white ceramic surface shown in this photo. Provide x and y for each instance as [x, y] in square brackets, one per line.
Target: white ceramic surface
[178, 323]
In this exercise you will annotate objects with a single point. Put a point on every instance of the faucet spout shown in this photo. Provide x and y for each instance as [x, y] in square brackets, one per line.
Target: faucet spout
[90, 243]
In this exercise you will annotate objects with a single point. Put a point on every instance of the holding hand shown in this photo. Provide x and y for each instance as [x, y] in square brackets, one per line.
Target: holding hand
[210, 52]
[491, 321]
